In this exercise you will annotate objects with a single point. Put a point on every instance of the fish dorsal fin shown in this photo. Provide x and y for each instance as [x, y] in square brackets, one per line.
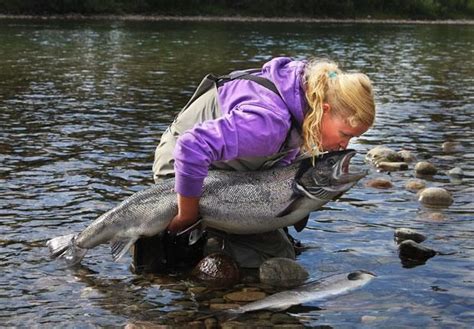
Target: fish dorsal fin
[120, 246]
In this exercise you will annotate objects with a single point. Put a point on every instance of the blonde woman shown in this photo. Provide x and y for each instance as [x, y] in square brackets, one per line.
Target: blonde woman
[252, 120]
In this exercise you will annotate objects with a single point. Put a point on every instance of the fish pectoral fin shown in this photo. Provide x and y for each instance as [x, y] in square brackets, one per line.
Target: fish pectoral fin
[294, 204]
[120, 246]
[299, 226]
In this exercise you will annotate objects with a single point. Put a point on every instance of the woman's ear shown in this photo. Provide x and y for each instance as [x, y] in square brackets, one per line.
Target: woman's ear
[326, 107]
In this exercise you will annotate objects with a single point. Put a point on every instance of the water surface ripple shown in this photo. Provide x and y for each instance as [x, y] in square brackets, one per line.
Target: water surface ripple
[83, 105]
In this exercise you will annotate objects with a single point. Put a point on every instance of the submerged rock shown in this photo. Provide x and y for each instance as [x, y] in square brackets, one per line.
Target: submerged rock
[379, 183]
[402, 234]
[282, 272]
[414, 185]
[435, 197]
[407, 156]
[217, 269]
[425, 168]
[383, 154]
[412, 253]
[456, 172]
[451, 147]
[245, 296]
[392, 166]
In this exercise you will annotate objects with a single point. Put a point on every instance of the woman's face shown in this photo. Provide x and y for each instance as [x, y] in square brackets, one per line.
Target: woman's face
[336, 132]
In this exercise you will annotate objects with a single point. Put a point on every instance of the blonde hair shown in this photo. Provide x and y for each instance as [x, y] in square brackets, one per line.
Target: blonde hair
[349, 95]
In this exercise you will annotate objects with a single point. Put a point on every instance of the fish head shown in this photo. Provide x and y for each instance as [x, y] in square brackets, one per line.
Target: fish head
[330, 176]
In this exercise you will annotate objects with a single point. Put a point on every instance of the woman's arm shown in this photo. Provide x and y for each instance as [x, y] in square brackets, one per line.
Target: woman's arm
[188, 213]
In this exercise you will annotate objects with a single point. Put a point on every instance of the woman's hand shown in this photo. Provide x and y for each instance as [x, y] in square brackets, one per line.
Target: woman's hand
[188, 213]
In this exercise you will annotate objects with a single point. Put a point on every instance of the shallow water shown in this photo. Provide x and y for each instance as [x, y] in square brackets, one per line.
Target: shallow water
[82, 107]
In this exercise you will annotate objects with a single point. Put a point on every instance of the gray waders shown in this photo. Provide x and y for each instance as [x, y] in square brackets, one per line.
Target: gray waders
[162, 253]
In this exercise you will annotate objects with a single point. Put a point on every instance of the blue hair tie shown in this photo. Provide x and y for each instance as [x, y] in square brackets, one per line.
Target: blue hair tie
[332, 74]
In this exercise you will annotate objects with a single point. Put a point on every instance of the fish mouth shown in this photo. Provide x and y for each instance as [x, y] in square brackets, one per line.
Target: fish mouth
[342, 175]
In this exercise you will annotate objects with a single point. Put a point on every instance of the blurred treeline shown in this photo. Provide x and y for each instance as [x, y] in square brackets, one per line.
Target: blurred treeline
[409, 9]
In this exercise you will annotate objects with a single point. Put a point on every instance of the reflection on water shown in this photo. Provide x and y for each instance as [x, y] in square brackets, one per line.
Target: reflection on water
[83, 105]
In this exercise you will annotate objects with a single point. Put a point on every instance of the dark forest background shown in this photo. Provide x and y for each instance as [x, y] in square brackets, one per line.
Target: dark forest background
[406, 9]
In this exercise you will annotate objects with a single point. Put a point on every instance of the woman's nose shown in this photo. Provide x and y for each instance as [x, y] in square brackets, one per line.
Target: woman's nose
[343, 145]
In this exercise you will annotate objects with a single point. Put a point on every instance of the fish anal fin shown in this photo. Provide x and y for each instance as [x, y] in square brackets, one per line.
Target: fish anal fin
[294, 204]
[299, 226]
[120, 246]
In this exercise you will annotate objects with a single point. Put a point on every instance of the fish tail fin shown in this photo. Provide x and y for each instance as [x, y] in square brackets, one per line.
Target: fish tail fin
[64, 247]
[120, 246]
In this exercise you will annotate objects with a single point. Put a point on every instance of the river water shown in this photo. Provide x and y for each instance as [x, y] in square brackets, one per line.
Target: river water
[82, 107]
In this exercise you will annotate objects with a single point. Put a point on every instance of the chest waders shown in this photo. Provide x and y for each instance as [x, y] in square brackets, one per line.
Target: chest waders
[163, 253]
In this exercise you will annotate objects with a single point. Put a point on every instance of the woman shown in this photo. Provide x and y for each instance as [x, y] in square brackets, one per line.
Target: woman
[255, 120]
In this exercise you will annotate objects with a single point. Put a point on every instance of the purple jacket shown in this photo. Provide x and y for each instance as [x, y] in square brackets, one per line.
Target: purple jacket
[254, 122]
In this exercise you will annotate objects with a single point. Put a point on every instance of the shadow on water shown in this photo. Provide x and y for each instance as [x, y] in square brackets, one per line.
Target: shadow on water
[83, 106]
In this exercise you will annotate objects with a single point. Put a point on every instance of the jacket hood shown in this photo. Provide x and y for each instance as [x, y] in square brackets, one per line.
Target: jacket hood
[287, 75]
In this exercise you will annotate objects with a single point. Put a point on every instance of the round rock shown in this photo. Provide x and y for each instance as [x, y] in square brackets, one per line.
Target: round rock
[217, 269]
[451, 147]
[456, 172]
[382, 153]
[402, 234]
[435, 197]
[282, 272]
[415, 185]
[425, 168]
[407, 156]
[392, 166]
[380, 183]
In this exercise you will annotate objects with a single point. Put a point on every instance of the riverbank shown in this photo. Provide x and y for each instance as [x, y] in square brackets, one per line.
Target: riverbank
[239, 19]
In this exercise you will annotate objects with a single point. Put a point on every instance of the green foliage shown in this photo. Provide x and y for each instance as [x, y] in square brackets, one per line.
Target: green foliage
[424, 9]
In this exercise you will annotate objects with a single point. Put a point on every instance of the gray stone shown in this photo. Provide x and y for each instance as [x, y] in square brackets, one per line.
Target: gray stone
[407, 156]
[382, 153]
[425, 168]
[451, 147]
[456, 172]
[282, 272]
[402, 234]
[435, 197]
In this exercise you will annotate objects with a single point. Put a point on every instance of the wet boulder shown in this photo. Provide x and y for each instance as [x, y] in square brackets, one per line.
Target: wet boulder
[383, 154]
[425, 168]
[402, 234]
[413, 254]
[407, 156]
[380, 183]
[282, 272]
[435, 197]
[414, 185]
[451, 147]
[217, 269]
[392, 166]
[456, 172]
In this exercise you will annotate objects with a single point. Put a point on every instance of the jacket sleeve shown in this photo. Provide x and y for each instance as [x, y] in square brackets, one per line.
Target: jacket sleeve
[247, 131]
